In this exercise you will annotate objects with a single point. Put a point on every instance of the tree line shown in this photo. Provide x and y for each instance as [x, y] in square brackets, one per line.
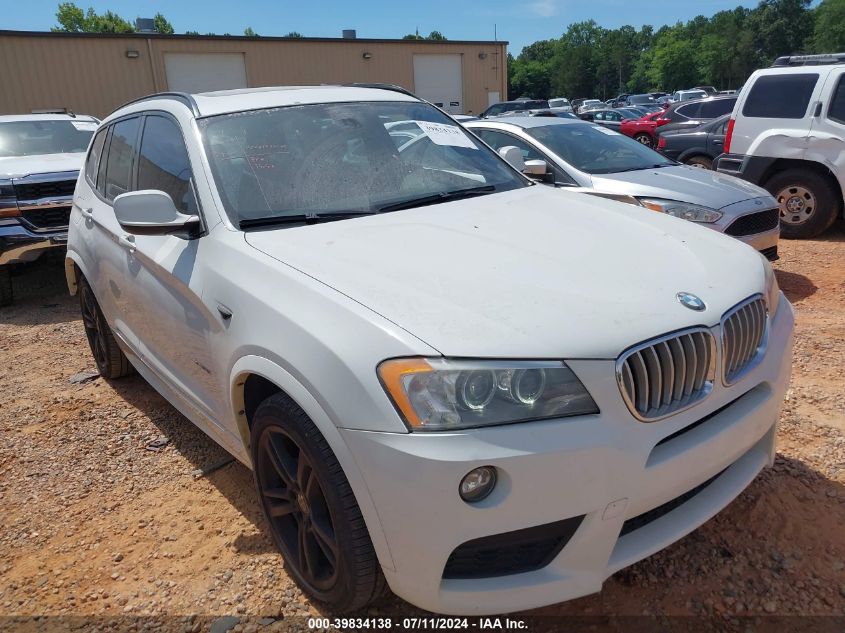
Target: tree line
[73, 19]
[722, 51]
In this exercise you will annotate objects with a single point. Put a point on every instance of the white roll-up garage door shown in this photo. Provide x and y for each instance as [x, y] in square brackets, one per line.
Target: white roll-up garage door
[439, 79]
[203, 72]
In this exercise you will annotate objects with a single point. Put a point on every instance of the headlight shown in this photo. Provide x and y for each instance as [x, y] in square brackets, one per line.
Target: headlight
[438, 394]
[772, 290]
[683, 210]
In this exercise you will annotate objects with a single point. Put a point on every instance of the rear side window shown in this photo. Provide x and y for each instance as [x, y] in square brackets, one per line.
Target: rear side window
[94, 154]
[837, 102]
[714, 109]
[121, 154]
[163, 162]
[780, 96]
[689, 111]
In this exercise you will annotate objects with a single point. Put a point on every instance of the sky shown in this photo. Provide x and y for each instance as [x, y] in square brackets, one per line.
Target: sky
[520, 22]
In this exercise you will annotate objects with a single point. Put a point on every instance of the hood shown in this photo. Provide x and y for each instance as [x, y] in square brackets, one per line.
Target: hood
[531, 273]
[20, 166]
[680, 182]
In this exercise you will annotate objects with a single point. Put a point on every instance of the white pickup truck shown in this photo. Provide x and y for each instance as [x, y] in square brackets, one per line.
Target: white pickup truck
[40, 158]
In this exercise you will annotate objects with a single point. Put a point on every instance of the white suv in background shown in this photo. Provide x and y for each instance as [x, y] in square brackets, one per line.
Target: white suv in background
[787, 134]
[490, 393]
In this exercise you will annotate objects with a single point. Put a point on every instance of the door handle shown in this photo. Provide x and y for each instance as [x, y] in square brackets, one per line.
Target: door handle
[128, 242]
[717, 141]
[88, 212]
[225, 313]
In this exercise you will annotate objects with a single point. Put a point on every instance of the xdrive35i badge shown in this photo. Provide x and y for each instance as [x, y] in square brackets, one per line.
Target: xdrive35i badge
[691, 301]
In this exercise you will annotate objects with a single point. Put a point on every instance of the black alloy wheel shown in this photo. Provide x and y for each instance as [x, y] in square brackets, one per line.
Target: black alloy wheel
[297, 508]
[314, 517]
[110, 360]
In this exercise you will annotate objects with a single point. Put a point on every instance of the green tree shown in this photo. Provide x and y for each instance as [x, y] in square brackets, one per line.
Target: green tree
[72, 19]
[161, 24]
[829, 31]
[294, 35]
[436, 36]
[248, 32]
[780, 27]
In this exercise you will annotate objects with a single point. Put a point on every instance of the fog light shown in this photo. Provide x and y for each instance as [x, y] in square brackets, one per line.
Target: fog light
[477, 484]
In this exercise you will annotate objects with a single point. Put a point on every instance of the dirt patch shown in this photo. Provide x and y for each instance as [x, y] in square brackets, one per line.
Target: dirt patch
[94, 523]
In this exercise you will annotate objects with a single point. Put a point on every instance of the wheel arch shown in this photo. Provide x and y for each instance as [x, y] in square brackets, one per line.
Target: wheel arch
[73, 271]
[253, 379]
[782, 164]
[692, 153]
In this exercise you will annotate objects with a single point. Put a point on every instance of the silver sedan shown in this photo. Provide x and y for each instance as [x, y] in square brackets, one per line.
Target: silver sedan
[570, 153]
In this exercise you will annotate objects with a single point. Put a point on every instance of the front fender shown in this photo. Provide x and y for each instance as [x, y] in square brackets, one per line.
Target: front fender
[303, 398]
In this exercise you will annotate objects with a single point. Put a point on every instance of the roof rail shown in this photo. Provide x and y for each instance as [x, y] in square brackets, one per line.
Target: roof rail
[184, 97]
[809, 60]
[391, 87]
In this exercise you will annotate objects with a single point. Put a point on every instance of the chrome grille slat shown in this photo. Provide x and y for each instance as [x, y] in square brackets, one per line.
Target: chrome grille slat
[680, 369]
[664, 355]
[691, 362]
[743, 337]
[640, 381]
[660, 377]
[655, 376]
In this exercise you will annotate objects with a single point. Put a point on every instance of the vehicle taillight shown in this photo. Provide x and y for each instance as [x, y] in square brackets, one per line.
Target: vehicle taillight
[661, 142]
[728, 134]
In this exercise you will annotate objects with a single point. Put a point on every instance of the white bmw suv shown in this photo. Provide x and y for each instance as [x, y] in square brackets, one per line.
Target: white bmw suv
[492, 395]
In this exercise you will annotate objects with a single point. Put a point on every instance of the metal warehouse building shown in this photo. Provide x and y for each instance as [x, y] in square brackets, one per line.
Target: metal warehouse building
[94, 73]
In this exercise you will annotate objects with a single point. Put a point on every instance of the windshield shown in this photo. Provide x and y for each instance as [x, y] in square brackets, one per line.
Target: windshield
[558, 103]
[345, 158]
[597, 150]
[33, 138]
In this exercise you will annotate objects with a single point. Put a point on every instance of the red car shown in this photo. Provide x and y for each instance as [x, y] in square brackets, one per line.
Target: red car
[644, 130]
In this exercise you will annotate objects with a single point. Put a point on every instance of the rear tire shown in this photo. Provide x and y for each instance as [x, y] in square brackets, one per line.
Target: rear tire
[111, 361]
[312, 512]
[645, 139]
[700, 162]
[6, 294]
[808, 202]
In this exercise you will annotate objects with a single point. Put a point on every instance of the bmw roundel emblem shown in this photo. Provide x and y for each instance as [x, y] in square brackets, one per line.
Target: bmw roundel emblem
[691, 301]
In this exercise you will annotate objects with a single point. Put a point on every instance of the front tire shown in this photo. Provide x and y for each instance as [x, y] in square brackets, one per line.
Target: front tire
[110, 359]
[645, 139]
[6, 294]
[312, 512]
[808, 202]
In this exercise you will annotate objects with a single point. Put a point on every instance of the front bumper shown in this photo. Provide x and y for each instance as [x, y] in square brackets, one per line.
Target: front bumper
[19, 245]
[607, 468]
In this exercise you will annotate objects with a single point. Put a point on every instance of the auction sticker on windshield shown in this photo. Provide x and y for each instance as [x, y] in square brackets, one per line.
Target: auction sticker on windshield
[446, 134]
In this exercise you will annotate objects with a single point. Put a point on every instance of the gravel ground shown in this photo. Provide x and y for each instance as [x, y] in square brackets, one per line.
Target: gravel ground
[98, 522]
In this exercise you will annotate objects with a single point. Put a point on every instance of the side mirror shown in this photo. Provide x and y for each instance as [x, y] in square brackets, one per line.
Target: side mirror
[151, 212]
[514, 157]
[535, 168]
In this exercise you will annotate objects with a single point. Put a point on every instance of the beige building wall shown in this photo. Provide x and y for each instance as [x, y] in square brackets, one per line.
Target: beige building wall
[92, 74]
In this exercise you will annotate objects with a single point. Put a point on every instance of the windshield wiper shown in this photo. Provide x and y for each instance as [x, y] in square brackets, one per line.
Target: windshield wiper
[442, 196]
[655, 166]
[299, 218]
